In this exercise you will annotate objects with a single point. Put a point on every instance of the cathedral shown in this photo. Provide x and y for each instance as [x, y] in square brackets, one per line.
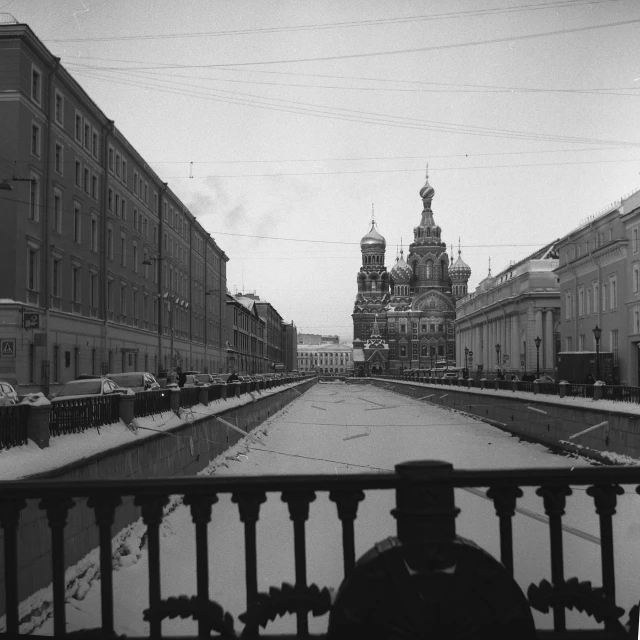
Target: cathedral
[404, 318]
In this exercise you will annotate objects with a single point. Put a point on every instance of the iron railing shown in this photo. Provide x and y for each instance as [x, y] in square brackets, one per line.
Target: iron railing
[148, 403]
[75, 415]
[13, 425]
[189, 396]
[425, 515]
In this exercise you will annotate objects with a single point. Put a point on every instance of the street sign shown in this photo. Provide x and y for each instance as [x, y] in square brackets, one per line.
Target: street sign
[505, 358]
[471, 354]
[31, 320]
[7, 348]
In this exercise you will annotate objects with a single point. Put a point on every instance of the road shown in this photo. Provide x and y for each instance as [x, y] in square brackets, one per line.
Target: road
[340, 429]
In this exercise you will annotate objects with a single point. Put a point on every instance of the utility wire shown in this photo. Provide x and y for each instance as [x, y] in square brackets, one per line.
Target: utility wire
[341, 25]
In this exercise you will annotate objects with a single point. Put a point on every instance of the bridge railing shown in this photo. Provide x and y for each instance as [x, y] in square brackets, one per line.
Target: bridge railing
[74, 415]
[425, 513]
[13, 426]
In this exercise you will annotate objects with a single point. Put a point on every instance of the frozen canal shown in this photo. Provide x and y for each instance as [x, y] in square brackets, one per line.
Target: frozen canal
[315, 434]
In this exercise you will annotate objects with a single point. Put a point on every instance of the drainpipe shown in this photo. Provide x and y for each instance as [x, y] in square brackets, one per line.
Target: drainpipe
[46, 371]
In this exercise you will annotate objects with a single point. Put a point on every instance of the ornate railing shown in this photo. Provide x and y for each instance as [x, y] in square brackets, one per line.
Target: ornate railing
[79, 414]
[13, 426]
[425, 582]
[148, 403]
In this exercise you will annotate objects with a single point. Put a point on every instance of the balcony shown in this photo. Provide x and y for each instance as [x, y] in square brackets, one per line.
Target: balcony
[425, 581]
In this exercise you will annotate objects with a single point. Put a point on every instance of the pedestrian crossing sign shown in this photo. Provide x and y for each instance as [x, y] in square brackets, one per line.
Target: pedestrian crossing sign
[7, 348]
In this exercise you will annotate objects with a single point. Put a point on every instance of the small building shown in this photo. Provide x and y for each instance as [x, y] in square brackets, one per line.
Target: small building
[326, 358]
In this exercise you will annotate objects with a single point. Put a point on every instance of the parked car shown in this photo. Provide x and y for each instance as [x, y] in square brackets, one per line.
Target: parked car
[197, 379]
[135, 380]
[545, 378]
[91, 387]
[8, 395]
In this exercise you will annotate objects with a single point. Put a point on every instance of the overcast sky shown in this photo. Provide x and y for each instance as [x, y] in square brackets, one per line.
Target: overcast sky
[298, 116]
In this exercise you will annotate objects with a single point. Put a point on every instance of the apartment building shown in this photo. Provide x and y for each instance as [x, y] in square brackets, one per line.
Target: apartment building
[246, 348]
[104, 268]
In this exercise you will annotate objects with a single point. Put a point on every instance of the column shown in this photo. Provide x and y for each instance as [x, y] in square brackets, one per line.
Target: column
[548, 340]
[485, 343]
[539, 332]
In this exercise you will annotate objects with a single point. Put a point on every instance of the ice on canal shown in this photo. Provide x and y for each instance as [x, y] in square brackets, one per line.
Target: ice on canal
[341, 429]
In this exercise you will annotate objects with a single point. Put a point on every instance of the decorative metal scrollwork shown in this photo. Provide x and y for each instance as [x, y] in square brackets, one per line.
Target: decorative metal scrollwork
[573, 594]
[287, 599]
[214, 617]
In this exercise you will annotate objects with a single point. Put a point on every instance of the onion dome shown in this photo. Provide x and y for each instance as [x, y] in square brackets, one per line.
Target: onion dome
[373, 238]
[427, 192]
[401, 271]
[460, 269]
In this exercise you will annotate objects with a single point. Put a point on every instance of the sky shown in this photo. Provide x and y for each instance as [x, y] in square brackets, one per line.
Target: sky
[281, 125]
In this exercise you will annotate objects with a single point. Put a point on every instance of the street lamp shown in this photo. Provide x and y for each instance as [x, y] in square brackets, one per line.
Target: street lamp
[466, 356]
[538, 343]
[498, 355]
[149, 262]
[597, 332]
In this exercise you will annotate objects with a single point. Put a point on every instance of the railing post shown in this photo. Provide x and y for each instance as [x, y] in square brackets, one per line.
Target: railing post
[504, 501]
[104, 508]
[425, 506]
[126, 408]
[203, 397]
[174, 400]
[555, 500]
[605, 499]
[38, 424]
[298, 502]
[9, 519]
[201, 516]
[562, 389]
[57, 510]
[249, 506]
[347, 503]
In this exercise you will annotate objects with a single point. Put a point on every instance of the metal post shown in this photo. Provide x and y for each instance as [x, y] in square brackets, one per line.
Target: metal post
[538, 341]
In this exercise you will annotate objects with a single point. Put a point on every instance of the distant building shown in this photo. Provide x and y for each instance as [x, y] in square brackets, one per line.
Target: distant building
[496, 326]
[599, 282]
[325, 358]
[245, 336]
[312, 338]
[289, 346]
[411, 308]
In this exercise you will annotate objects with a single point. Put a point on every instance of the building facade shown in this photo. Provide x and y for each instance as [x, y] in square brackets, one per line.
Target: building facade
[246, 337]
[104, 268]
[497, 325]
[412, 307]
[325, 358]
[599, 280]
[290, 346]
[313, 338]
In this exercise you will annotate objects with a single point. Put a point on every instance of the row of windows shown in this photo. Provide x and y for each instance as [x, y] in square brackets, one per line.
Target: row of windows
[588, 342]
[425, 351]
[589, 299]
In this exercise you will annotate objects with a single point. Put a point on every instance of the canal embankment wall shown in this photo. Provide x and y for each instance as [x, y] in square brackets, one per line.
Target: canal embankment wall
[184, 450]
[545, 419]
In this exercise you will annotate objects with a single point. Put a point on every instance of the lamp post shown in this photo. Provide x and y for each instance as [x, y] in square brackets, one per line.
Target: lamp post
[150, 262]
[597, 333]
[466, 357]
[498, 355]
[538, 342]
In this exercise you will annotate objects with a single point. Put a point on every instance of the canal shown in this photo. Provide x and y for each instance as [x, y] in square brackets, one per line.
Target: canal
[341, 429]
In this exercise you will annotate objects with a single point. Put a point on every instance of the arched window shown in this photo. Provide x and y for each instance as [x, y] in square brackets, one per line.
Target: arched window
[429, 270]
[428, 232]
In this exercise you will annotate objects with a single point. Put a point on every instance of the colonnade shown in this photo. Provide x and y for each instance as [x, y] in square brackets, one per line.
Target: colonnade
[515, 332]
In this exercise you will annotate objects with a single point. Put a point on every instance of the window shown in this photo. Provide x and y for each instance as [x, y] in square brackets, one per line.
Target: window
[588, 309]
[93, 289]
[36, 85]
[146, 192]
[613, 341]
[134, 311]
[33, 270]
[111, 160]
[135, 182]
[123, 210]
[109, 296]
[34, 198]
[77, 220]
[123, 300]
[110, 200]
[75, 283]
[94, 187]
[35, 139]
[596, 297]
[110, 243]
[118, 165]
[636, 320]
[613, 292]
[581, 303]
[124, 171]
[57, 212]
[87, 136]
[135, 257]
[56, 278]
[634, 243]
[567, 305]
[94, 233]
[78, 128]
[123, 251]
[78, 174]
[604, 296]
[636, 277]
[94, 144]
[581, 342]
[87, 180]
[403, 350]
[117, 204]
[59, 158]
[569, 343]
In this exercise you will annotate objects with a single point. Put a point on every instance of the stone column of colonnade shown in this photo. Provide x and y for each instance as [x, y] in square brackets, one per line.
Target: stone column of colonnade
[485, 344]
[548, 340]
[515, 342]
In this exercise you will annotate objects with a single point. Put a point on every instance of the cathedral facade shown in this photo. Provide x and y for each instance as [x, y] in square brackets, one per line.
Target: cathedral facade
[404, 318]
